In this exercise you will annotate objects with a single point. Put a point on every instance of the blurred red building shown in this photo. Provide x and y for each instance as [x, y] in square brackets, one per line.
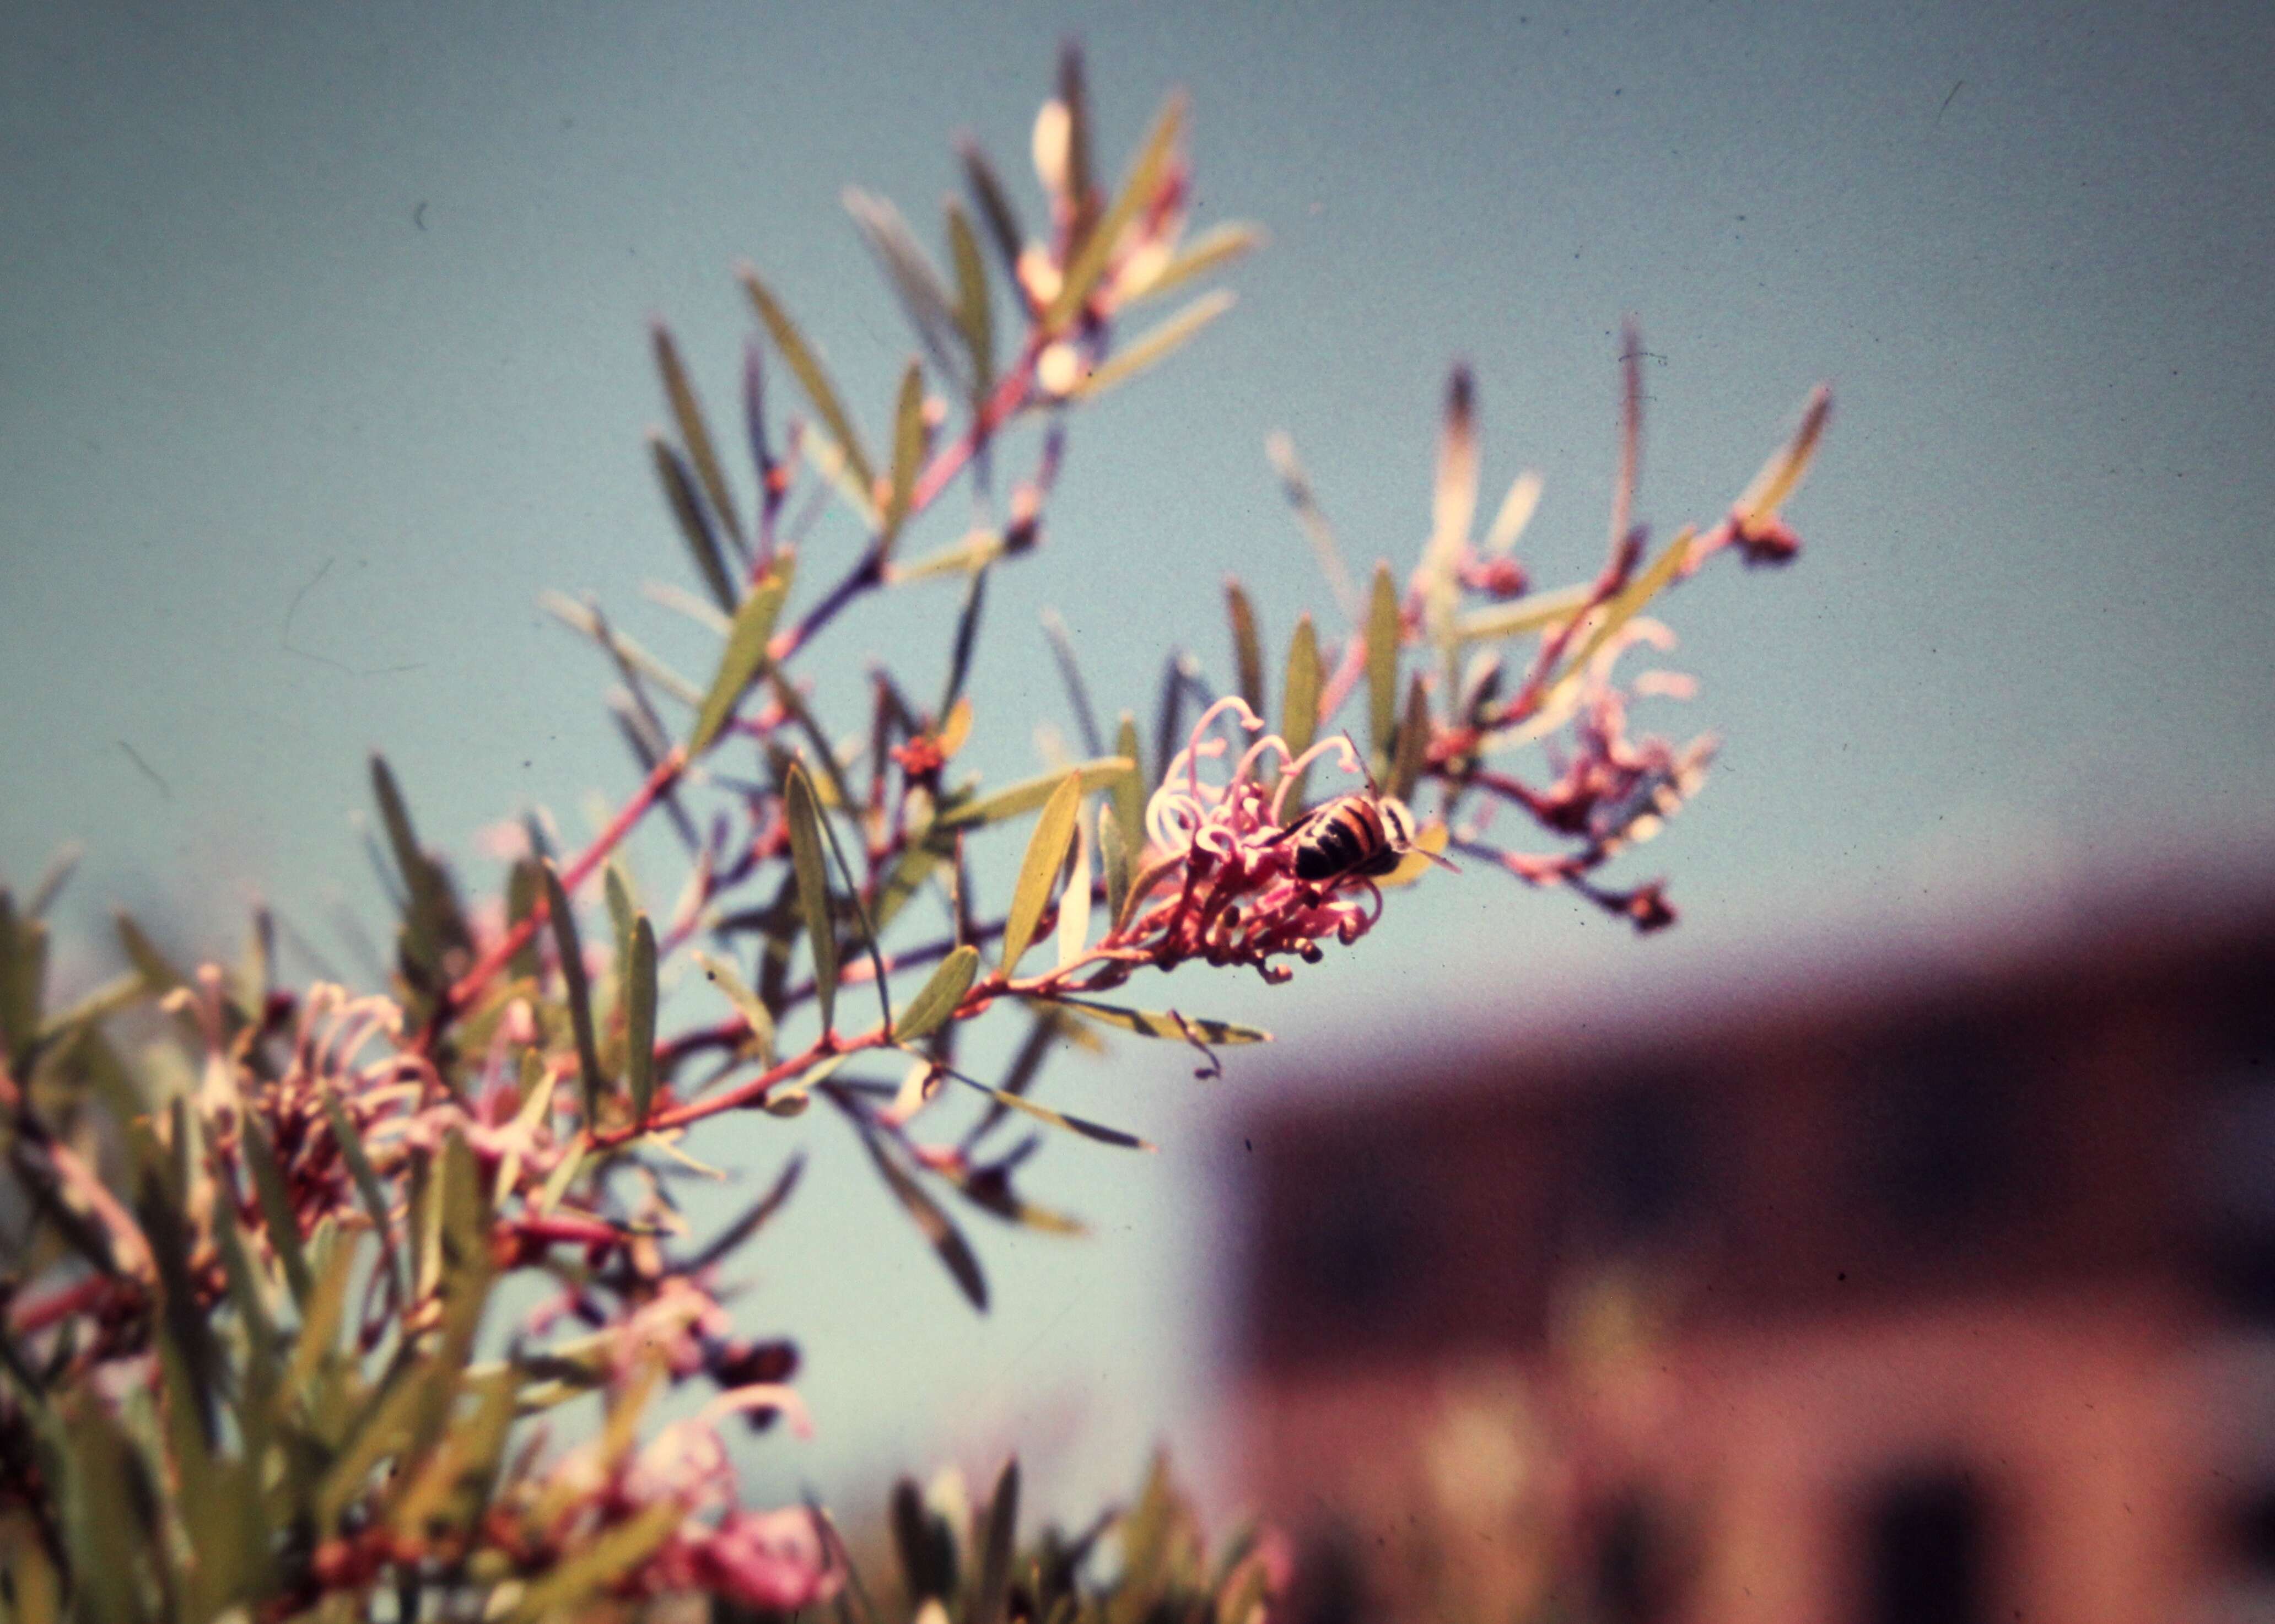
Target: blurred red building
[1945, 1296]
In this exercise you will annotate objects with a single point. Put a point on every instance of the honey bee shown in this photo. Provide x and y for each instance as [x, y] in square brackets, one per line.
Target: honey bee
[1360, 836]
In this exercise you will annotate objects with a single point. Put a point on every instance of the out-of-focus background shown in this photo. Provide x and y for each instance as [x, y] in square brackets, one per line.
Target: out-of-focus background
[322, 350]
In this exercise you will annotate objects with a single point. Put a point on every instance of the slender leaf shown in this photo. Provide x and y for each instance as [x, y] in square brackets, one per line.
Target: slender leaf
[811, 376]
[1138, 191]
[974, 313]
[1028, 794]
[1247, 652]
[744, 658]
[1160, 1023]
[53, 879]
[939, 1229]
[522, 886]
[994, 204]
[915, 281]
[1113, 857]
[572, 952]
[1516, 510]
[750, 1222]
[1413, 740]
[1155, 345]
[1057, 1119]
[368, 1189]
[685, 501]
[23, 978]
[1530, 613]
[1047, 849]
[1382, 640]
[694, 433]
[640, 1018]
[967, 635]
[747, 1004]
[1296, 485]
[587, 621]
[596, 1563]
[276, 1216]
[1218, 247]
[908, 452]
[1626, 604]
[813, 888]
[1299, 711]
[1074, 901]
[1062, 656]
[997, 1547]
[939, 996]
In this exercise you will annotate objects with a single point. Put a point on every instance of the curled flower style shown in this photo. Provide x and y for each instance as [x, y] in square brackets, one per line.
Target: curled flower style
[1225, 855]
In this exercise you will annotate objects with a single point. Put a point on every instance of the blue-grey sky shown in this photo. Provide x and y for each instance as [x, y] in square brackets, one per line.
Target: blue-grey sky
[336, 314]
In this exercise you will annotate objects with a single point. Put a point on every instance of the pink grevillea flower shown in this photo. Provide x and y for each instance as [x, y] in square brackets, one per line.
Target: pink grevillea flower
[775, 1561]
[1225, 855]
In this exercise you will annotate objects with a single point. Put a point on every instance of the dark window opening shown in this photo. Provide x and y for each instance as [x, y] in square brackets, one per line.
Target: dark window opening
[1940, 1126]
[1638, 1562]
[2253, 1532]
[1361, 1242]
[1926, 1553]
[1643, 1161]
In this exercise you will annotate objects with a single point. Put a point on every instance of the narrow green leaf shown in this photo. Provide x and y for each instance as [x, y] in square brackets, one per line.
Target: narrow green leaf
[596, 1564]
[997, 1547]
[1028, 794]
[1628, 602]
[522, 885]
[925, 1543]
[811, 376]
[967, 637]
[1218, 247]
[1047, 849]
[1138, 191]
[747, 1004]
[1530, 613]
[915, 281]
[1075, 900]
[23, 977]
[1159, 1024]
[1113, 857]
[744, 658]
[1247, 651]
[321, 1313]
[1155, 345]
[583, 620]
[1413, 739]
[1299, 705]
[694, 433]
[615, 887]
[369, 1189]
[813, 888]
[640, 1018]
[53, 879]
[994, 205]
[968, 556]
[571, 951]
[277, 1218]
[1130, 790]
[908, 452]
[1057, 1119]
[939, 996]
[974, 313]
[681, 494]
[938, 1229]
[1382, 640]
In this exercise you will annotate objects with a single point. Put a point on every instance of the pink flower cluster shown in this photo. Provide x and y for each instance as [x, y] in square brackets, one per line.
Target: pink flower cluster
[1227, 856]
